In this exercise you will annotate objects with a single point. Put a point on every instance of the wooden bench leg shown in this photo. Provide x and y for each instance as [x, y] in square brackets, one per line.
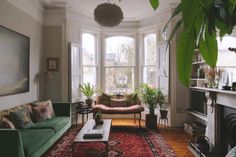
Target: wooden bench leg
[140, 119]
[135, 118]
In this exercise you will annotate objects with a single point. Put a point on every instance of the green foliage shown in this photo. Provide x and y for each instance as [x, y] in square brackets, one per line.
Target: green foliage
[154, 3]
[98, 114]
[201, 20]
[151, 96]
[88, 90]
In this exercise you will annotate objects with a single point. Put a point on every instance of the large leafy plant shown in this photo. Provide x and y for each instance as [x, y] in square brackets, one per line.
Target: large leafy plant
[151, 96]
[88, 90]
[202, 21]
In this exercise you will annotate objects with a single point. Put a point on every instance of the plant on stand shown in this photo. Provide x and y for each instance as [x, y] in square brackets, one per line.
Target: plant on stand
[151, 96]
[89, 91]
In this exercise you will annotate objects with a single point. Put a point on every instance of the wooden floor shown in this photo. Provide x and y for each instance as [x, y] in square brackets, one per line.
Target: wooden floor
[175, 137]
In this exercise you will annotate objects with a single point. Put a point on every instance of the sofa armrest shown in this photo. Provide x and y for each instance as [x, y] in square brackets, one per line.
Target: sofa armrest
[11, 143]
[62, 108]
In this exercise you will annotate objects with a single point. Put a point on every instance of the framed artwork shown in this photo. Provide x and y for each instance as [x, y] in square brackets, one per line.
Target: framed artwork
[52, 64]
[14, 62]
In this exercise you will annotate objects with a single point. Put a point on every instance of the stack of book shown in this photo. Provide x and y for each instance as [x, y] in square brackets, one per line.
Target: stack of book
[93, 133]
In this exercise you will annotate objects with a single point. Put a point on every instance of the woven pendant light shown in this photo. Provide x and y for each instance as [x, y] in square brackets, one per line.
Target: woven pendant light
[108, 14]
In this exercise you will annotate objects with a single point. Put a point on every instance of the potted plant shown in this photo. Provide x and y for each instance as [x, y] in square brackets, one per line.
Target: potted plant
[89, 91]
[98, 117]
[151, 96]
[200, 22]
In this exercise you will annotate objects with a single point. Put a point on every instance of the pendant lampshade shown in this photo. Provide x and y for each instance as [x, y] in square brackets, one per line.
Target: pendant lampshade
[108, 14]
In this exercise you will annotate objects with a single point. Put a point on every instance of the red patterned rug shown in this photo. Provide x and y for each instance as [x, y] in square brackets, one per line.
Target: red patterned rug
[124, 142]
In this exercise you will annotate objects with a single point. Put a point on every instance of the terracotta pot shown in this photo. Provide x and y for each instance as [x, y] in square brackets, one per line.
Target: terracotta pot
[163, 114]
[151, 121]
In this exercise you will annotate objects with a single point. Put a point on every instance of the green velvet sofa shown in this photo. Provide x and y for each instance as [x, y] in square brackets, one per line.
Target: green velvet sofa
[35, 141]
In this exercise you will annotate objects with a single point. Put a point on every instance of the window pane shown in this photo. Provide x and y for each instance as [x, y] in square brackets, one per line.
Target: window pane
[119, 80]
[149, 75]
[89, 49]
[150, 49]
[120, 51]
[89, 75]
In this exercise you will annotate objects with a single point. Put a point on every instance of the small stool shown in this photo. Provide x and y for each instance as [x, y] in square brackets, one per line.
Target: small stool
[163, 121]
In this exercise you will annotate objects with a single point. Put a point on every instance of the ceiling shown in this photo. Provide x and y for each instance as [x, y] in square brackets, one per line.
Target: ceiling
[134, 10]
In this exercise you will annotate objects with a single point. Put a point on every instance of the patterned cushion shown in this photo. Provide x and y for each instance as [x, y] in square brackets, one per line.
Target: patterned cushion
[5, 123]
[118, 102]
[132, 99]
[21, 119]
[118, 110]
[106, 99]
[48, 102]
[14, 109]
[41, 112]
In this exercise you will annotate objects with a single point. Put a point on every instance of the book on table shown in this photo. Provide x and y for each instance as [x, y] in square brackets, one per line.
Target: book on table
[93, 133]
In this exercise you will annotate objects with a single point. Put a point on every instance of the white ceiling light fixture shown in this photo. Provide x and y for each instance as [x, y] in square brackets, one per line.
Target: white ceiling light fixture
[108, 14]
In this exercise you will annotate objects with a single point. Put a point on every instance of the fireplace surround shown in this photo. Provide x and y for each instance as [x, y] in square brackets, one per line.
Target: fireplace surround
[220, 120]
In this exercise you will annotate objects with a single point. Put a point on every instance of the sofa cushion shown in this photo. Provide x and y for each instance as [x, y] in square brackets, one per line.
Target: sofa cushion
[48, 102]
[41, 112]
[118, 110]
[21, 119]
[33, 139]
[55, 123]
[132, 99]
[5, 123]
[106, 99]
[118, 102]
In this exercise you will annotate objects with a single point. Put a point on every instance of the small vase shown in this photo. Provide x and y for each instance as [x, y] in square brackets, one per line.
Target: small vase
[97, 120]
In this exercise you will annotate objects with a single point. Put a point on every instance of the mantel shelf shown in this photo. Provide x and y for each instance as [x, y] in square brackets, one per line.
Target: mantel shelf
[214, 90]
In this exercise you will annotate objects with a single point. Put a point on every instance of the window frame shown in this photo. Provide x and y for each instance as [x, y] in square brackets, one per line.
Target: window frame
[133, 67]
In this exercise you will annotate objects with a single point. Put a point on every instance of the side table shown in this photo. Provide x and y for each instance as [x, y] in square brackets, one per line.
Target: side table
[82, 108]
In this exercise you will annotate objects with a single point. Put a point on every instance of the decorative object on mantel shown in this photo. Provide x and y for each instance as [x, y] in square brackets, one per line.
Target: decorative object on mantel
[212, 77]
[46, 75]
[232, 49]
[108, 14]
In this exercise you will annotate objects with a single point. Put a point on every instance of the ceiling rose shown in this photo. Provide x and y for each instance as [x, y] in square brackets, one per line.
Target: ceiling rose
[108, 14]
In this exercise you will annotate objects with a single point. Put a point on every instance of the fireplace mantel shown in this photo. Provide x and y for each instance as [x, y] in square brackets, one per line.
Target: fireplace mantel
[216, 98]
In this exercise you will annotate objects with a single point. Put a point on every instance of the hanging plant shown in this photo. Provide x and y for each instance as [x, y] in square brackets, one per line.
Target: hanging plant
[202, 21]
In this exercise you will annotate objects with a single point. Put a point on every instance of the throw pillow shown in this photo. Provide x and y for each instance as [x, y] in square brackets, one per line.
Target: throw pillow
[5, 123]
[118, 102]
[21, 119]
[41, 112]
[52, 113]
[132, 99]
[106, 99]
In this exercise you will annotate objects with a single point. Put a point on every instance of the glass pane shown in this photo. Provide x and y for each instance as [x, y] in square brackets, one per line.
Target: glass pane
[226, 57]
[150, 49]
[119, 80]
[120, 51]
[89, 49]
[149, 75]
[89, 75]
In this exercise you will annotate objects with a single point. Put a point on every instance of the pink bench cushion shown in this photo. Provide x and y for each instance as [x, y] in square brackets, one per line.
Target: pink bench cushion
[118, 110]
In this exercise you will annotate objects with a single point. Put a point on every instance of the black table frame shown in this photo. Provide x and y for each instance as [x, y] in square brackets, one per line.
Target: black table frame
[82, 108]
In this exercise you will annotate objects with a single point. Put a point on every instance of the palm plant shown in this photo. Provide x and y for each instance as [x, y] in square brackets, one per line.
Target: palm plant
[89, 91]
[151, 96]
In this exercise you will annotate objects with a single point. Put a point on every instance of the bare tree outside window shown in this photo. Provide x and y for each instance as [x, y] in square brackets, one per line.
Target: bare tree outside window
[119, 64]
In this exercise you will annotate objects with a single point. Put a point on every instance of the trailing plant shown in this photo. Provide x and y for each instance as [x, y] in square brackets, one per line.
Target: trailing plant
[202, 21]
[151, 96]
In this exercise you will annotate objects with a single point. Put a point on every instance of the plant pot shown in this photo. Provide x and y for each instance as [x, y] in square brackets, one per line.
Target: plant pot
[97, 120]
[151, 121]
[163, 114]
[89, 101]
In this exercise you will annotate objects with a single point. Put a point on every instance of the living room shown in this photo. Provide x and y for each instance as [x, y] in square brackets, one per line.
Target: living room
[66, 47]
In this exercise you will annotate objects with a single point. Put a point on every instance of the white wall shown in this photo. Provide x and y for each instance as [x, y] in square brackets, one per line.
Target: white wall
[17, 20]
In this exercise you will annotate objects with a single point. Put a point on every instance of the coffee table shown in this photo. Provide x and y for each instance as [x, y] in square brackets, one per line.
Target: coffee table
[106, 126]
